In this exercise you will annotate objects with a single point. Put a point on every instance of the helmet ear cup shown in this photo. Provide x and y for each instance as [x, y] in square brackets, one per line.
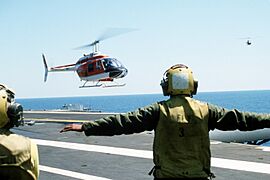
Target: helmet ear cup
[164, 85]
[195, 87]
[11, 113]
[15, 114]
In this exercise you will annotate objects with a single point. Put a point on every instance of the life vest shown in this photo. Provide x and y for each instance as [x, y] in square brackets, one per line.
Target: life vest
[18, 157]
[181, 144]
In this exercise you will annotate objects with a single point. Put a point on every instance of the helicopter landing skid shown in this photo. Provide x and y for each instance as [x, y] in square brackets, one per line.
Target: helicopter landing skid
[94, 85]
[104, 85]
[97, 85]
[113, 85]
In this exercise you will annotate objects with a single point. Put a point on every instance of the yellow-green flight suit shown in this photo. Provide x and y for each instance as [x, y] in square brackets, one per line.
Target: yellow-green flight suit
[18, 157]
[181, 144]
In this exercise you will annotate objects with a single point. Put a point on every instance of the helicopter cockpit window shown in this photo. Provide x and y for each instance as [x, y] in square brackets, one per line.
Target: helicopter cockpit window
[111, 63]
[118, 63]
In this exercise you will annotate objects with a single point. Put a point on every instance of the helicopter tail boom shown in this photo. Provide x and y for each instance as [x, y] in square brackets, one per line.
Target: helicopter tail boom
[68, 67]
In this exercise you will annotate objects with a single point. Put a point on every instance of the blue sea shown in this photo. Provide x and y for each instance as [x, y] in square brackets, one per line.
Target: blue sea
[255, 101]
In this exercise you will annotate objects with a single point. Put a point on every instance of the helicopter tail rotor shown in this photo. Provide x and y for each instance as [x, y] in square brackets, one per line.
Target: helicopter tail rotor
[46, 68]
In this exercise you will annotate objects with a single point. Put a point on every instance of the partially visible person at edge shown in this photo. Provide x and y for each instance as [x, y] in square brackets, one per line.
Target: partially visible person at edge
[181, 146]
[18, 154]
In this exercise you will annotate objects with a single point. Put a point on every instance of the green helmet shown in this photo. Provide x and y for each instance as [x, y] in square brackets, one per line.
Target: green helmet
[11, 113]
[179, 80]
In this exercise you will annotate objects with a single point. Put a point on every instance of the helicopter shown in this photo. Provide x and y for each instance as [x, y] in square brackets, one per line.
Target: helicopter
[248, 42]
[98, 69]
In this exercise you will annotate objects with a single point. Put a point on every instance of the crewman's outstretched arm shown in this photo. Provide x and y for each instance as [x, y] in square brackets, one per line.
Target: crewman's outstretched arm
[132, 122]
[224, 119]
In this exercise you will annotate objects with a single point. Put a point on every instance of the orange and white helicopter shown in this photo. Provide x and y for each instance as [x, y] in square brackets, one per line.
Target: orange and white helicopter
[98, 69]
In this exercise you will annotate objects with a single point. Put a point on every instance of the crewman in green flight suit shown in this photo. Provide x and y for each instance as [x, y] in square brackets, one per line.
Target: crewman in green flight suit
[181, 124]
[18, 154]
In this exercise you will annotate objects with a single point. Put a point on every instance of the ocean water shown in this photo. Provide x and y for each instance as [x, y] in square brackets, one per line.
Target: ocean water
[254, 101]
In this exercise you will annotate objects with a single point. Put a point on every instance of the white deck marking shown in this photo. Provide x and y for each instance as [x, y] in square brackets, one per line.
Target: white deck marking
[266, 149]
[241, 165]
[97, 148]
[216, 162]
[70, 173]
[263, 148]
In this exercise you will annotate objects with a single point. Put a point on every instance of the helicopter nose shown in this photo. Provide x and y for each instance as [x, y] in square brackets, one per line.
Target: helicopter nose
[124, 72]
[119, 73]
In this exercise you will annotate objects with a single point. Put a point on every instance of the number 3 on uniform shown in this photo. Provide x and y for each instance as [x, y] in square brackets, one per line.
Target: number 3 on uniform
[181, 132]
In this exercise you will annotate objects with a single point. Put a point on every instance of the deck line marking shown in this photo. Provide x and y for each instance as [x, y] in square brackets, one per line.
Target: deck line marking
[97, 148]
[70, 173]
[240, 165]
[215, 162]
[264, 148]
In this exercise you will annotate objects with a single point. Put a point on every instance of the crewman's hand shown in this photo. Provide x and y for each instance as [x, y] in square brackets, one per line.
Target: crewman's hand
[72, 127]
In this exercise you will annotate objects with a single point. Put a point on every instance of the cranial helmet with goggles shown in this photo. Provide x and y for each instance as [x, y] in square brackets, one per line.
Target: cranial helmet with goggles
[11, 113]
[179, 80]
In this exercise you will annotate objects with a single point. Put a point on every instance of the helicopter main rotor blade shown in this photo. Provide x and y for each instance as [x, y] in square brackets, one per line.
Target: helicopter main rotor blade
[112, 32]
[109, 33]
[87, 45]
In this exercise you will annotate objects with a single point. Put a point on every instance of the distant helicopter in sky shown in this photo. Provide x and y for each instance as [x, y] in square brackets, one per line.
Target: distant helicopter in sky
[248, 42]
[96, 68]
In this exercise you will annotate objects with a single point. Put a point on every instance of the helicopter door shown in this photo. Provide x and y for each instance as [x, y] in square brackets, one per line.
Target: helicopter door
[95, 68]
[90, 68]
[99, 66]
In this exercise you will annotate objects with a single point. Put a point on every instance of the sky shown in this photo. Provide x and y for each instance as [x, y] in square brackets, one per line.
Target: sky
[207, 35]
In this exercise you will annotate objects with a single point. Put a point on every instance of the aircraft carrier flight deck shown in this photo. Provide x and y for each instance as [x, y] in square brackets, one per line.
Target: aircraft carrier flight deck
[72, 155]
